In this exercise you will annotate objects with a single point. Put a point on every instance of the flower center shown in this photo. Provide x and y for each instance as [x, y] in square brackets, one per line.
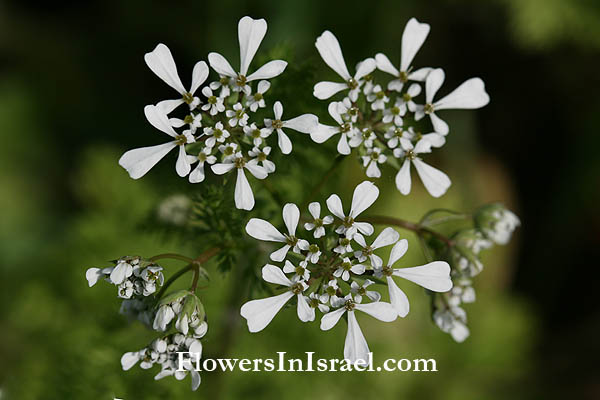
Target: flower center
[314, 303]
[300, 270]
[188, 98]
[349, 305]
[428, 108]
[387, 270]
[398, 132]
[410, 155]
[352, 83]
[180, 140]
[348, 221]
[277, 124]
[291, 240]
[330, 290]
[403, 76]
[313, 248]
[367, 251]
[318, 222]
[241, 80]
[297, 288]
[346, 265]
[189, 119]
[406, 97]
[239, 113]
[258, 96]
[228, 151]
[374, 155]
[202, 156]
[362, 291]
[224, 80]
[239, 162]
[380, 95]
[256, 133]
[212, 99]
[344, 242]
[396, 110]
[345, 127]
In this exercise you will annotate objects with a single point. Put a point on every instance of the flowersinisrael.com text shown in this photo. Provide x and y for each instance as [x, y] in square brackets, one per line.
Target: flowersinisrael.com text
[191, 361]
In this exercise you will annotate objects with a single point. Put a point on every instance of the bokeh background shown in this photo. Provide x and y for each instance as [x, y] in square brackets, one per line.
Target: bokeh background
[72, 88]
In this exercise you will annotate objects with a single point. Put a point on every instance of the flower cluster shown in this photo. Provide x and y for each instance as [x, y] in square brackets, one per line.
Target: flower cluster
[132, 275]
[494, 224]
[219, 127]
[383, 121]
[165, 352]
[333, 268]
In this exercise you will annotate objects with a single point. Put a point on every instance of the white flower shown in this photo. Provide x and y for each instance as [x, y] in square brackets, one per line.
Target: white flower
[193, 121]
[250, 34]
[261, 155]
[366, 137]
[462, 292]
[259, 313]
[387, 237]
[138, 162]
[358, 291]
[469, 95]
[301, 273]
[161, 63]
[371, 161]
[264, 230]
[435, 181]
[329, 49]
[452, 321]
[329, 294]
[364, 196]
[93, 275]
[501, 225]
[318, 223]
[305, 123]
[224, 83]
[356, 347]
[122, 271]
[345, 267]
[347, 110]
[216, 134]
[164, 316]
[345, 128]
[377, 98]
[125, 289]
[229, 151]
[413, 38]
[314, 302]
[314, 253]
[244, 199]
[214, 104]
[434, 276]
[204, 156]
[406, 100]
[237, 116]
[394, 113]
[395, 133]
[256, 134]
[256, 101]
[344, 246]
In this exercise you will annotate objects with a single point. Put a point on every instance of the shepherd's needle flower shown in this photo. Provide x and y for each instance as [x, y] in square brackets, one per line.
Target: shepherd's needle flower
[244, 198]
[256, 100]
[358, 291]
[318, 223]
[214, 104]
[371, 161]
[217, 134]
[237, 116]
[364, 196]
[345, 267]
[204, 156]
[387, 237]
[305, 123]
[346, 129]
[160, 61]
[261, 155]
[301, 273]
[264, 230]
[256, 134]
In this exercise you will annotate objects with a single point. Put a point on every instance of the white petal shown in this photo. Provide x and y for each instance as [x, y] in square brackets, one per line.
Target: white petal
[331, 318]
[435, 139]
[398, 251]
[459, 332]
[382, 311]
[161, 63]
[324, 90]
[323, 132]
[195, 379]
[355, 346]
[398, 298]
[433, 83]
[278, 110]
[305, 312]
[420, 74]
[435, 181]
[263, 86]
[434, 276]
[197, 174]
[386, 237]
[221, 65]
[315, 209]
[364, 68]
[305, 123]
[138, 162]
[412, 39]
[365, 228]
[384, 64]
[334, 204]
[159, 120]
[469, 95]
[250, 34]
[182, 166]
[403, 182]
[199, 75]
[291, 216]
[329, 49]
[167, 106]
[279, 255]
[259, 313]
[284, 142]
[92, 275]
[439, 125]
[268, 71]
[244, 198]
[364, 196]
[334, 110]
[128, 360]
[222, 168]
[263, 230]
[273, 274]
[342, 146]
[256, 170]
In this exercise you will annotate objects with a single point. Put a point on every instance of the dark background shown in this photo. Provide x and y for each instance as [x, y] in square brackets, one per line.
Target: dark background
[73, 85]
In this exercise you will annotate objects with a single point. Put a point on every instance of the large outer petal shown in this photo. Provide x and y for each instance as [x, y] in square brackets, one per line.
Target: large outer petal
[433, 83]
[259, 313]
[305, 312]
[435, 181]
[323, 132]
[268, 71]
[273, 274]
[250, 34]
[403, 181]
[398, 298]
[329, 48]
[413, 38]
[160, 61]
[221, 65]
[334, 204]
[244, 198]
[387, 236]
[397, 252]
[384, 64]
[364, 196]
[330, 319]
[324, 90]
[158, 119]
[305, 123]
[434, 276]
[355, 345]
[382, 311]
[182, 166]
[263, 230]
[199, 75]
[291, 216]
[469, 95]
[138, 162]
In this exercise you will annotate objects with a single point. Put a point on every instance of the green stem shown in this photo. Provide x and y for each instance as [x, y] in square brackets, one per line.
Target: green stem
[173, 278]
[173, 256]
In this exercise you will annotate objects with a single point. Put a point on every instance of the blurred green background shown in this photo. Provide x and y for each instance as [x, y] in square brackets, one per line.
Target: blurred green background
[72, 87]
